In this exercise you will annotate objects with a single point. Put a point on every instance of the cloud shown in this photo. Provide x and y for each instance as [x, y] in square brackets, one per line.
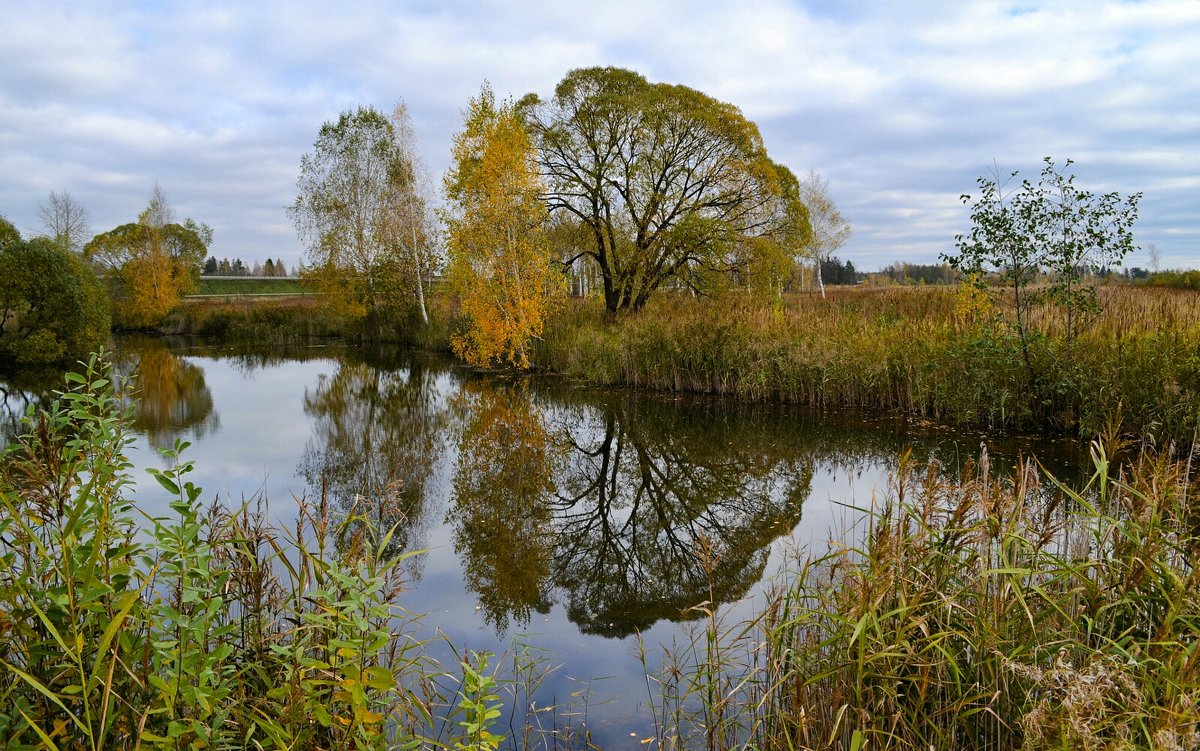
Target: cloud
[901, 105]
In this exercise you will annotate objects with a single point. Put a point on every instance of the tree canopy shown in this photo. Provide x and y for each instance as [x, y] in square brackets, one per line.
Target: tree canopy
[362, 216]
[1052, 227]
[52, 307]
[8, 233]
[150, 263]
[670, 183]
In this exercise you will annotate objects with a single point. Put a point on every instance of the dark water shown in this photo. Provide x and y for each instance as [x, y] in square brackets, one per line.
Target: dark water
[574, 521]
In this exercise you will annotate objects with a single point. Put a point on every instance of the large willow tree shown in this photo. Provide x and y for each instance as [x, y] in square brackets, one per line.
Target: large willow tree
[669, 183]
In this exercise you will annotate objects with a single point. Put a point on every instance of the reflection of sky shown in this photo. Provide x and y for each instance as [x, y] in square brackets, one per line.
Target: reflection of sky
[262, 434]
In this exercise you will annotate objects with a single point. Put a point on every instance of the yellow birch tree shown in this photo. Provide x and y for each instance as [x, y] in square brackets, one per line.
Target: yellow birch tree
[500, 262]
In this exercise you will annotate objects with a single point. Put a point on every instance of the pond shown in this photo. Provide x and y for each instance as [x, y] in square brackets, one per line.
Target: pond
[585, 524]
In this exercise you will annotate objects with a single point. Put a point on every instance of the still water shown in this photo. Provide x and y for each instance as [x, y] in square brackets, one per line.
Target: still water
[565, 518]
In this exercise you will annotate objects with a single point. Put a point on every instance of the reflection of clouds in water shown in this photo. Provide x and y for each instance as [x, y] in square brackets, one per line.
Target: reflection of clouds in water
[262, 433]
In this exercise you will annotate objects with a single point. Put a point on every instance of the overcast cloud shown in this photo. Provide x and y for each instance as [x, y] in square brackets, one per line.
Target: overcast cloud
[900, 105]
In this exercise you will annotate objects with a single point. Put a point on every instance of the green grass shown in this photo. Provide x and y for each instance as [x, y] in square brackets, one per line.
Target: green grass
[249, 286]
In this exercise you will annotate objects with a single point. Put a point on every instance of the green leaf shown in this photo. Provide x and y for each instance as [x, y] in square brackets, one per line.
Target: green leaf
[164, 481]
[380, 678]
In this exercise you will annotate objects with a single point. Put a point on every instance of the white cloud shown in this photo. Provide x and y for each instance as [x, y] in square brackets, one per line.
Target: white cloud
[901, 105]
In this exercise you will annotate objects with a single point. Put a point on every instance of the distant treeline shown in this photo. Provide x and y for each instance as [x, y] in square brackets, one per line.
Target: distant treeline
[1175, 279]
[900, 272]
[238, 267]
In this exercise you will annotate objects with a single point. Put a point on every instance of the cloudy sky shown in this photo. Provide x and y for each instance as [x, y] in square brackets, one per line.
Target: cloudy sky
[900, 105]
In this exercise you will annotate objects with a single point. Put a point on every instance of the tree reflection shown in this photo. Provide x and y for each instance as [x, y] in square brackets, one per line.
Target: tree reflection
[374, 445]
[30, 387]
[634, 511]
[663, 508]
[171, 398]
[500, 507]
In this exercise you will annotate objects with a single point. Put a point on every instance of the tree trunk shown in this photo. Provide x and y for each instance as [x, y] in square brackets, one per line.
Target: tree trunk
[420, 279]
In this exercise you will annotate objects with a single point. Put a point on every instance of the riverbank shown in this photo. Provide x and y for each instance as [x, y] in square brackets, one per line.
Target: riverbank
[932, 353]
[929, 352]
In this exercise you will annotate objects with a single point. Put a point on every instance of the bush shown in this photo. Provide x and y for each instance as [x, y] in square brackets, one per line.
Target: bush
[52, 306]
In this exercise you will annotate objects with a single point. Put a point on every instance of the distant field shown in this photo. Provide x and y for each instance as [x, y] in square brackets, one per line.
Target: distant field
[237, 286]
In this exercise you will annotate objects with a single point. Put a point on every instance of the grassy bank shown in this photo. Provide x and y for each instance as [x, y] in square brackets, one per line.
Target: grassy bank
[930, 352]
[249, 286]
[299, 320]
[258, 321]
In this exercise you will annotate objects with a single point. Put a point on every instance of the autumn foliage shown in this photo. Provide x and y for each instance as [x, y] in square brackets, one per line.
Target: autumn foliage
[500, 267]
[151, 263]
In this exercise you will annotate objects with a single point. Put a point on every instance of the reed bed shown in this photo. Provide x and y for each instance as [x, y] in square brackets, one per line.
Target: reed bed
[986, 614]
[301, 320]
[932, 352]
[259, 321]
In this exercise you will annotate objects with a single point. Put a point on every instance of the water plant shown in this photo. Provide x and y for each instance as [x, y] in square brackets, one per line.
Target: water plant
[987, 614]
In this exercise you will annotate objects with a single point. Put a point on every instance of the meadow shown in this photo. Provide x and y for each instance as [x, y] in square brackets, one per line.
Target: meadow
[234, 287]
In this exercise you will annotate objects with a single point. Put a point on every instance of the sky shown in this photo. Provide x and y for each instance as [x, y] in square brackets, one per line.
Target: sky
[901, 106]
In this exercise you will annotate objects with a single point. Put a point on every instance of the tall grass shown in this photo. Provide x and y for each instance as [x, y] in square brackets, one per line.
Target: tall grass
[300, 320]
[259, 321]
[989, 614]
[930, 352]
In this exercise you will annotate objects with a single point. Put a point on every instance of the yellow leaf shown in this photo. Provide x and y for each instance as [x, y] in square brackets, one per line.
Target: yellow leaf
[366, 716]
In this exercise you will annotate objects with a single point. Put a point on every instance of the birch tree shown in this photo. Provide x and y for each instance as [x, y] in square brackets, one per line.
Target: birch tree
[359, 212]
[500, 263]
[830, 230]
